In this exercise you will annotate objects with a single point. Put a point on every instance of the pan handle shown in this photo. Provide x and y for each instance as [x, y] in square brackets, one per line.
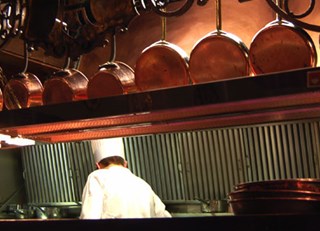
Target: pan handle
[218, 15]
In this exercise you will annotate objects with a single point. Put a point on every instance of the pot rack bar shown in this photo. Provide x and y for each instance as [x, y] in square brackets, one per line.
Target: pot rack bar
[277, 97]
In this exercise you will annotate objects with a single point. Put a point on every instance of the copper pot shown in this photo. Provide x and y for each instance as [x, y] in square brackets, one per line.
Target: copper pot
[275, 205]
[1, 100]
[63, 86]
[3, 81]
[22, 91]
[282, 196]
[162, 65]
[219, 55]
[114, 78]
[305, 184]
[281, 46]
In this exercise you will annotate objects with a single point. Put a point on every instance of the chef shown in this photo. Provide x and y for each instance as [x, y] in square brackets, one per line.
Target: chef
[113, 191]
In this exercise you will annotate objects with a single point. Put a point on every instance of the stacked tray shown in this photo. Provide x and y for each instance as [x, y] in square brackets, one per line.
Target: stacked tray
[286, 196]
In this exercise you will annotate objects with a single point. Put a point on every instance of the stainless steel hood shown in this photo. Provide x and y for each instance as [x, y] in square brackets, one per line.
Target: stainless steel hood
[291, 95]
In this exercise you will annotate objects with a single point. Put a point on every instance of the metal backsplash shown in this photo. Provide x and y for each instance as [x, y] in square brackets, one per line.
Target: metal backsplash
[182, 166]
[55, 173]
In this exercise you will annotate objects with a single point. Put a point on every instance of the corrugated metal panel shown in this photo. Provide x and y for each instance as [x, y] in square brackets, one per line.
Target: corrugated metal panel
[48, 174]
[156, 159]
[281, 151]
[81, 163]
[213, 161]
[56, 173]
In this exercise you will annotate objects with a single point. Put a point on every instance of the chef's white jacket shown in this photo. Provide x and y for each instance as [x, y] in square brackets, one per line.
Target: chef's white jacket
[116, 192]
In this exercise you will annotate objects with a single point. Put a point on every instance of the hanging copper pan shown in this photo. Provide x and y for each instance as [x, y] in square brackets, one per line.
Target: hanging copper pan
[218, 55]
[162, 65]
[1, 100]
[113, 78]
[66, 85]
[281, 46]
[23, 90]
[3, 81]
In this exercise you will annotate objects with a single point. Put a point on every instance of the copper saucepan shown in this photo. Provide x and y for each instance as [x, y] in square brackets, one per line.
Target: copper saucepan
[1, 100]
[113, 78]
[219, 55]
[23, 90]
[66, 85]
[3, 81]
[281, 46]
[162, 65]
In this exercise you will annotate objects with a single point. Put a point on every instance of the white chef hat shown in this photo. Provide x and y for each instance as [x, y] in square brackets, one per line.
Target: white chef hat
[103, 148]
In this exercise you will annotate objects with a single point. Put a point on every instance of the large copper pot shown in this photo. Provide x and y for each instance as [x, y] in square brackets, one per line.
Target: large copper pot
[281, 46]
[162, 65]
[219, 55]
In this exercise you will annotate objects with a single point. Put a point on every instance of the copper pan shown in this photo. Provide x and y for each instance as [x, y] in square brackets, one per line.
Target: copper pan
[1, 100]
[66, 85]
[219, 55]
[275, 205]
[162, 65]
[23, 90]
[281, 46]
[3, 81]
[245, 194]
[113, 78]
[304, 184]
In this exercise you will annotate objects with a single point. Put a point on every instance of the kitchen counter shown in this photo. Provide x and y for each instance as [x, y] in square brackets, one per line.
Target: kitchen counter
[308, 222]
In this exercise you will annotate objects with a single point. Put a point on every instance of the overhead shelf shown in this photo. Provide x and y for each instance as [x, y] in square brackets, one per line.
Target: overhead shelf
[276, 97]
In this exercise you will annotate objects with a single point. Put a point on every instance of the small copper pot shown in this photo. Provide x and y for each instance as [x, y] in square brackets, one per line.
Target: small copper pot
[1, 100]
[24, 90]
[113, 78]
[65, 86]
